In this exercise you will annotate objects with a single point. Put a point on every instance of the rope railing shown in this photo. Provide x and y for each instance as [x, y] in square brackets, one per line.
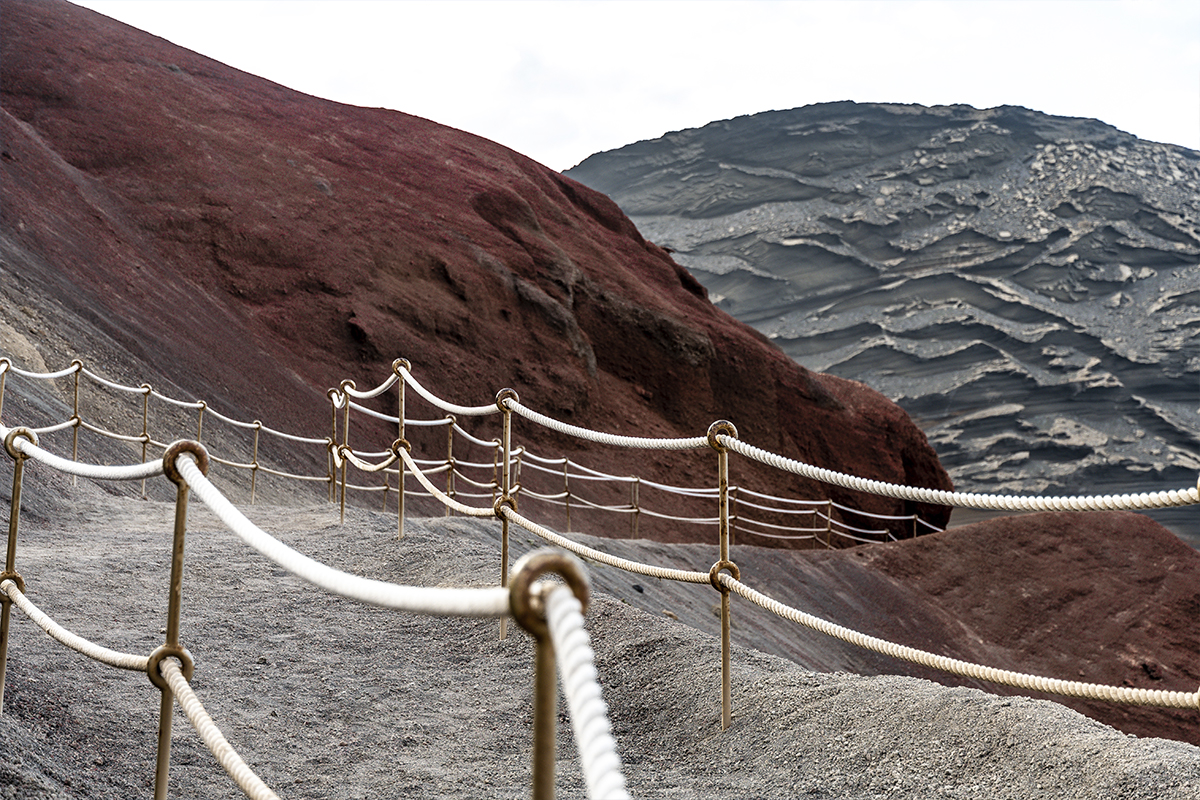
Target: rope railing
[170, 666]
[722, 576]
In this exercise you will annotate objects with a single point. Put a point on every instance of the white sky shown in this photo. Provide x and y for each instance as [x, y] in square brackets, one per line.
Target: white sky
[559, 80]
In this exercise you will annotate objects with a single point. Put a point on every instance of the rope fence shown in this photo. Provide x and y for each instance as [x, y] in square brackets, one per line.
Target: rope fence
[553, 616]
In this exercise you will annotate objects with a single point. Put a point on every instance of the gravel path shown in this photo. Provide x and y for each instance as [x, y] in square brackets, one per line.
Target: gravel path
[328, 698]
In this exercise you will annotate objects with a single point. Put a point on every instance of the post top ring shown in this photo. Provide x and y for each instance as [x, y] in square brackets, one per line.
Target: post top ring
[525, 600]
[175, 449]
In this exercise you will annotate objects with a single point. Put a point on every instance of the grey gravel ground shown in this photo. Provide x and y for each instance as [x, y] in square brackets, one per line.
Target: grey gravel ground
[327, 698]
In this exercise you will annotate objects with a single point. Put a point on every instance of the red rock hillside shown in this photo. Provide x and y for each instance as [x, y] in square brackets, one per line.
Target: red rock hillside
[256, 246]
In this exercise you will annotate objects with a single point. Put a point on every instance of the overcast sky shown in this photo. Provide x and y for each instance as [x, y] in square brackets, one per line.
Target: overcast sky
[559, 80]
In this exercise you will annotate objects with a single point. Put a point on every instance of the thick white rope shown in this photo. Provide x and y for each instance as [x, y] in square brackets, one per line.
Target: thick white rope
[369, 393]
[482, 602]
[211, 735]
[581, 685]
[611, 439]
[449, 408]
[62, 373]
[685, 576]
[129, 472]
[102, 381]
[113, 658]
[994, 502]
[470, 511]
[1096, 691]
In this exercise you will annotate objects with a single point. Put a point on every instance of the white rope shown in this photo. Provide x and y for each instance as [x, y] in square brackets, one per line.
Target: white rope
[483, 602]
[376, 414]
[378, 390]
[612, 439]
[130, 472]
[193, 404]
[685, 576]
[62, 373]
[113, 658]
[61, 426]
[211, 735]
[1115, 694]
[993, 502]
[589, 713]
[449, 408]
[470, 511]
[102, 381]
[494, 444]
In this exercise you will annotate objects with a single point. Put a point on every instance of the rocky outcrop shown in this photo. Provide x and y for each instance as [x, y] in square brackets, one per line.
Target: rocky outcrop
[255, 246]
[1025, 286]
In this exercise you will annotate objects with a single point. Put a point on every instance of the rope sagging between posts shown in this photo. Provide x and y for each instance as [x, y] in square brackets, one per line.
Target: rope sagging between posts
[113, 658]
[1093, 691]
[482, 602]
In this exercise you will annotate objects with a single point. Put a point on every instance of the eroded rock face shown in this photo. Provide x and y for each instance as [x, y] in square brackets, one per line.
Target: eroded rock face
[1025, 286]
[255, 246]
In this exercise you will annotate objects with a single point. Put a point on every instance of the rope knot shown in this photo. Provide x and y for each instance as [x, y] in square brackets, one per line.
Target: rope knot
[176, 449]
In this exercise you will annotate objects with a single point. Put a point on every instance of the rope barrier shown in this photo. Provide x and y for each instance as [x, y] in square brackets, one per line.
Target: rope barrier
[113, 658]
[682, 575]
[439, 494]
[987, 502]
[612, 439]
[131, 472]
[1095, 691]
[449, 408]
[211, 735]
[581, 686]
[483, 602]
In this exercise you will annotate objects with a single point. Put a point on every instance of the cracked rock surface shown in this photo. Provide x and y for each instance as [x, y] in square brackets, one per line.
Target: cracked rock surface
[1027, 287]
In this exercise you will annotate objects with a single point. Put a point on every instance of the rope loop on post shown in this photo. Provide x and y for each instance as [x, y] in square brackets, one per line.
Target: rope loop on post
[10, 441]
[177, 652]
[525, 600]
[504, 501]
[401, 364]
[714, 574]
[174, 450]
[506, 394]
[400, 444]
[720, 426]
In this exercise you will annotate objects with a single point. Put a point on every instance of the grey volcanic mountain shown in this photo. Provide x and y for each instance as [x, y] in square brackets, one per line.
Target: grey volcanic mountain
[1027, 287]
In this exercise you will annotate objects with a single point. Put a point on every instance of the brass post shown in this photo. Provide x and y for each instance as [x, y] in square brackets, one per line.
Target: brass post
[527, 602]
[254, 460]
[76, 419]
[10, 558]
[505, 487]
[567, 491]
[332, 470]
[345, 442]
[450, 461]
[633, 502]
[172, 648]
[397, 365]
[727, 428]
[4, 365]
[829, 526]
[200, 420]
[145, 387]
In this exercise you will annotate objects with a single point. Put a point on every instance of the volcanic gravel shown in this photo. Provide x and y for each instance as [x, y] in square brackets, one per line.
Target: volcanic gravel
[325, 697]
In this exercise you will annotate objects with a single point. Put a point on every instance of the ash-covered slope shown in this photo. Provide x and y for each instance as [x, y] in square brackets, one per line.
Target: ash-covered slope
[255, 246]
[1026, 286]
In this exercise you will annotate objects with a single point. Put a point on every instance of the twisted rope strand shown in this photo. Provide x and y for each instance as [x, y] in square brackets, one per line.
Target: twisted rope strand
[113, 658]
[483, 602]
[685, 576]
[130, 472]
[1095, 691]
[211, 735]
[992, 502]
[612, 439]
[581, 685]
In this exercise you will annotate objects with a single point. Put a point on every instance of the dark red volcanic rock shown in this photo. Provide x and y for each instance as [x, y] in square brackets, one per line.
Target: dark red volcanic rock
[1102, 597]
[257, 246]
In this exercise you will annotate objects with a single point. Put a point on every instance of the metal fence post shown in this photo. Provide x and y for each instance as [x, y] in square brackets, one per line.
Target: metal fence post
[526, 600]
[172, 648]
[505, 486]
[398, 365]
[718, 428]
[10, 559]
